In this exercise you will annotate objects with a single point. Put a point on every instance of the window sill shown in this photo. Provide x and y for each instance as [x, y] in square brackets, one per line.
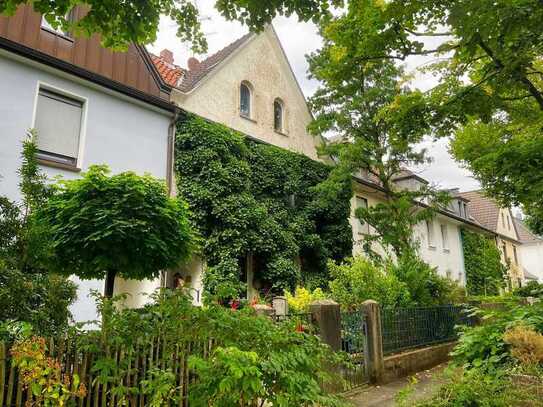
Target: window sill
[431, 247]
[55, 164]
[445, 250]
[282, 133]
[60, 35]
[247, 118]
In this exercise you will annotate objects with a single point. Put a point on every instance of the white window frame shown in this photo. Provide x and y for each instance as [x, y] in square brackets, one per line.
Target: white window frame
[281, 129]
[250, 87]
[84, 108]
[363, 227]
[444, 237]
[44, 24]
[430, 234]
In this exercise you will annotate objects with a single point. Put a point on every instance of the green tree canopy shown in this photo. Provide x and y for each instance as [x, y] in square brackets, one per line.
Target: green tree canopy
[489, 70]
[122, 22]
[125, 225]
[379, 123]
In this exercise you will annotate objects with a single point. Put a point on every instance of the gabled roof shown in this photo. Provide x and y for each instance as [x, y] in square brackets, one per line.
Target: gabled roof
[482, 208]
[170, 73]
[187, 79]
[524, 234]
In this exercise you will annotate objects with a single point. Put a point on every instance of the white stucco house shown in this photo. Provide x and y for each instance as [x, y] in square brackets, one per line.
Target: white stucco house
[531, 252]
[89, 105]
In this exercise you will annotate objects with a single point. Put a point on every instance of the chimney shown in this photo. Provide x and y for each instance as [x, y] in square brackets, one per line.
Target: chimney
[193, 64]
[167, 55]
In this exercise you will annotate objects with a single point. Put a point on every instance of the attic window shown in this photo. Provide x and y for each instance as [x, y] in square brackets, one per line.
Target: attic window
[70, 18]
[245, 100]
[278, 115]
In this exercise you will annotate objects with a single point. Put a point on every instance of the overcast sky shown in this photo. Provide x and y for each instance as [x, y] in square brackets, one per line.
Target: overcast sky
[299, 39]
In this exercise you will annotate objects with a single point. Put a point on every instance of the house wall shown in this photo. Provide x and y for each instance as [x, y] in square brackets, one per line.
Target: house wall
[119, 132]
[516, 275]
[448, 260]
[531, 255]
[260, 62]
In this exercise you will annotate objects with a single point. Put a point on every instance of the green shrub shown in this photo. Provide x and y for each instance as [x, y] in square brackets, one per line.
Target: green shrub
[253, 357]
[531, 289]
[425, 286]
[359, 279]
[302, 298]
[479, 389]
[484, 346]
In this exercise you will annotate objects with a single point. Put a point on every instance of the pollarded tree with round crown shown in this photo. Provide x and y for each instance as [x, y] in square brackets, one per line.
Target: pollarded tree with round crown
[126, 225]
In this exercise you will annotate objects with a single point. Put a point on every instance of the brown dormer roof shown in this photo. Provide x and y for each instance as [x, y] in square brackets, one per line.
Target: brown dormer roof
[484, 209]
[524, 234]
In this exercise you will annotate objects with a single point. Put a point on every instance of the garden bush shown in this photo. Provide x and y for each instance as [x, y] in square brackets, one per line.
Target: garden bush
[530, 289]
[29, 293]
[359, 279]
[302, 298]
[252, 358]
[485, 347]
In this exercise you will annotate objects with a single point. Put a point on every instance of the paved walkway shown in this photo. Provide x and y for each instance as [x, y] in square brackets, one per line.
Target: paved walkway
[428, 382]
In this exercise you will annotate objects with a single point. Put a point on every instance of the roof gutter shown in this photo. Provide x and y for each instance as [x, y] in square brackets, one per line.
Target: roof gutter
[45, 59]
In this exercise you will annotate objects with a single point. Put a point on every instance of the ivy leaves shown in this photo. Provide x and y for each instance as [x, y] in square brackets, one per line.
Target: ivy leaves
[250, 198]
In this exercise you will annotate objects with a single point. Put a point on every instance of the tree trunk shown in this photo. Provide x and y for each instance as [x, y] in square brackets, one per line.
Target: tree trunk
[110, 284]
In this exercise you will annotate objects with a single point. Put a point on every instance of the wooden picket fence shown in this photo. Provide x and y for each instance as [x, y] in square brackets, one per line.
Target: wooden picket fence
[137, 363]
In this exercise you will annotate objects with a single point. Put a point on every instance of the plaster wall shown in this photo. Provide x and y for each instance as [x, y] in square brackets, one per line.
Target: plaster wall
[531, 255]
[448, 258]
[118, 132]
[262, 63]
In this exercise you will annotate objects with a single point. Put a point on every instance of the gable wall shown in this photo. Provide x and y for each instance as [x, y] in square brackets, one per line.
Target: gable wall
[261, 63]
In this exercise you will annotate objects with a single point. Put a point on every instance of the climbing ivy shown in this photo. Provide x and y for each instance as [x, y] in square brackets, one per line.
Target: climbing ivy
[485, 273]
[247, 198]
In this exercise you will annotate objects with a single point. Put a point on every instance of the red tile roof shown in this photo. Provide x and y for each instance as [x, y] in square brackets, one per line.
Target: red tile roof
[187, 79]
[171, 73]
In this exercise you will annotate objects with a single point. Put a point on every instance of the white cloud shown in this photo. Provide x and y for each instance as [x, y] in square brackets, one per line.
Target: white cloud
[299, 39]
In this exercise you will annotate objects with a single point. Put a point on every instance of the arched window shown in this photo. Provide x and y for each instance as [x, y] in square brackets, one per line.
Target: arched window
[245, 100]
[278, 115]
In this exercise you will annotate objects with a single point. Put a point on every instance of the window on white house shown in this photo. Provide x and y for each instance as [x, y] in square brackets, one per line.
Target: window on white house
[70, 17]
[504, 250]
[460, 208]
[363, 226]
[503, 220]
[278, 115]
[444, 237]
[245, 100]
[58, 125]
[515, 254]
[466, 210]
[430, 233]
[508, 223]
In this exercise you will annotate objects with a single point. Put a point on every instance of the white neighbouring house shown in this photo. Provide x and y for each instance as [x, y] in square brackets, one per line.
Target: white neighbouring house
[439, 239]
[531, 252]
[90, 106]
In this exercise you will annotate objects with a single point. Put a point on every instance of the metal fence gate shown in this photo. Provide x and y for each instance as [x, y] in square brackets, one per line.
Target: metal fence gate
[354, 343]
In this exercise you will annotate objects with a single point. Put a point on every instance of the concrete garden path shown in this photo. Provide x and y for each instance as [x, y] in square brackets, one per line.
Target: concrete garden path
[428, 383]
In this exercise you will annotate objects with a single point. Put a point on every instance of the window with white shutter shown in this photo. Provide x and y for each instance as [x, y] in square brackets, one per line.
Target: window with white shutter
[58, 125]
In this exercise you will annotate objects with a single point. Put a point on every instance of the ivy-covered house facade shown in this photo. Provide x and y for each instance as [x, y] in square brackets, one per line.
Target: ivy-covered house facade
[248, 167]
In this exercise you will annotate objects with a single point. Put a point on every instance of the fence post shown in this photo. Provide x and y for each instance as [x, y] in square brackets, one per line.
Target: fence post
[374, 341]
[328, 318]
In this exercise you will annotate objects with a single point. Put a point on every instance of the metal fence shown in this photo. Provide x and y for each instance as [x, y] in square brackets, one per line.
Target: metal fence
[353, 342]
[405, 328]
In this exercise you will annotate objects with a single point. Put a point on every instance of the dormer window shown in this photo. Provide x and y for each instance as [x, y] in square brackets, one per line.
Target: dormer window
[278, 116]
[70, 18]
[245, 100]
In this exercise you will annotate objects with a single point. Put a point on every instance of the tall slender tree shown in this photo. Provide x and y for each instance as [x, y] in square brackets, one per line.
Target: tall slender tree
[377, 122]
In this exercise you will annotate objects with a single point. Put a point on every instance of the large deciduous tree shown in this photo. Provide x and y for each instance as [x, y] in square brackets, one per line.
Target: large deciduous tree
[125, 225]
[488, 60]
[122, 22]
[378, 121]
